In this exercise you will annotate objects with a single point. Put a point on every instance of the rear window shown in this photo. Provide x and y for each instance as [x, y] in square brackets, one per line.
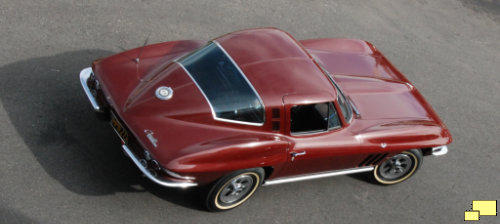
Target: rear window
[231, 96]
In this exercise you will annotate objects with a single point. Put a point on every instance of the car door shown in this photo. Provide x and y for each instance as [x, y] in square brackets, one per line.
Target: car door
[319, 138]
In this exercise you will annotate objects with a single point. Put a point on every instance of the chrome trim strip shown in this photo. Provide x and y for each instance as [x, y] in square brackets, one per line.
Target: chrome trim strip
[354, 108]
[317, 175]
[304, 133]
[440, 150]
[84, 76]
[165, 183]
[212, 109]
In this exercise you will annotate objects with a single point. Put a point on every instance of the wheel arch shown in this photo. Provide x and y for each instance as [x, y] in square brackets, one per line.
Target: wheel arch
[268, 171]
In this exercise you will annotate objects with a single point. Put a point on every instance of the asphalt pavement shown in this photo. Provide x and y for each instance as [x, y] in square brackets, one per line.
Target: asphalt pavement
[60, 164]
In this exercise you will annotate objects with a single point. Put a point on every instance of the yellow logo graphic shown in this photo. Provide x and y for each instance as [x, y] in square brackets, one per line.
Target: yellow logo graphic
[481, 208]
[471, 216]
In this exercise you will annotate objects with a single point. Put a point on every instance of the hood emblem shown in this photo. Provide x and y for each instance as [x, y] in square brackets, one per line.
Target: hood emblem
[151, 138]
[383, 145]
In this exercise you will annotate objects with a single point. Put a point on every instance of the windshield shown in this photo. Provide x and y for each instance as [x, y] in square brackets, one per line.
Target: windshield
[344, 105]
[231, 96]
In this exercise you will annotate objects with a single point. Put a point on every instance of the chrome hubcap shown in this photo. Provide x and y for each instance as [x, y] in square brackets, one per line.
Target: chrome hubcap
[396, 167]
[236, 189]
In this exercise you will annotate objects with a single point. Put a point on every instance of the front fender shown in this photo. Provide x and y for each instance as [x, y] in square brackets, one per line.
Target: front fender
[405, 135]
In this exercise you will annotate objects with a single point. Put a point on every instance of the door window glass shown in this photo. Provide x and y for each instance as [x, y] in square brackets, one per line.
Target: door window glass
[314, 118]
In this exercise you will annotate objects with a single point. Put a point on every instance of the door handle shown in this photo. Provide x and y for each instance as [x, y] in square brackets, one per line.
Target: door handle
[295, 154]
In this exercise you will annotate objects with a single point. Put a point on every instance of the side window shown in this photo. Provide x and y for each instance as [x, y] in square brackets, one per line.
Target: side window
[333, 117]
[344, 106]
[314, 118]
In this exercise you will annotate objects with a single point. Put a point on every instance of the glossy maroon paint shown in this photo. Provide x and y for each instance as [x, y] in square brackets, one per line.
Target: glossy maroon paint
[285, 73]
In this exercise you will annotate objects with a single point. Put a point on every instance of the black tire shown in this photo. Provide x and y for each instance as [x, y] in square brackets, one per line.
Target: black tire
[398, 168]
[234, 189]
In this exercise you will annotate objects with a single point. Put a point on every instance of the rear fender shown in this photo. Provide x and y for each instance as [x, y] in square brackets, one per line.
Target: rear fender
[226, 155]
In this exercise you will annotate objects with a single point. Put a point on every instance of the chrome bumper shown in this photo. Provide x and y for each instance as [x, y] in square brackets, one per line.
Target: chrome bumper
[166, 183]
[84, 76]
[440, 150]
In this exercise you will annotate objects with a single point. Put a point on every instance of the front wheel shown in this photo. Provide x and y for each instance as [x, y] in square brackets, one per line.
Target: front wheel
[232, 190]
[398, 168]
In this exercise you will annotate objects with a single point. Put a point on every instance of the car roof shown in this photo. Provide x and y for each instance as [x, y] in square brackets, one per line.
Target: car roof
[275, 64]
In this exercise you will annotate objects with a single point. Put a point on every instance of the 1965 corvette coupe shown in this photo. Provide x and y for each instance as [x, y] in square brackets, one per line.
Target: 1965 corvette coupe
[258, 107]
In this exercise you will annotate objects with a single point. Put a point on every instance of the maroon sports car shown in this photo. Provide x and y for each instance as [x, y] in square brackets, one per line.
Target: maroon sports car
[257, 107]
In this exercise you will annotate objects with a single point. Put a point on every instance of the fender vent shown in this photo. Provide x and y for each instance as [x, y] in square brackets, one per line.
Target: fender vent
[276, 113]
[276, 118]
[373, 159]
[276, 126]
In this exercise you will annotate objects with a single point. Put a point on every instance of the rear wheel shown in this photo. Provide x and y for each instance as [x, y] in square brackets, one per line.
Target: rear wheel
[234, 189]
[398, 168]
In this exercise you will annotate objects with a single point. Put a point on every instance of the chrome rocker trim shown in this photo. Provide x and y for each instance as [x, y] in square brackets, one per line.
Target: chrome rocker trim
[84, 76]
[165, 183]
[317, 175]
[440, 150]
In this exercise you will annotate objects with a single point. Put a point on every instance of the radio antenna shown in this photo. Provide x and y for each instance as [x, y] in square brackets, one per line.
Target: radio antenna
[137, 59]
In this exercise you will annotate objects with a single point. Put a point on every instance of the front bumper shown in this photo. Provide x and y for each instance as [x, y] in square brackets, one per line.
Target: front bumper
[85, 75]
[440, 150]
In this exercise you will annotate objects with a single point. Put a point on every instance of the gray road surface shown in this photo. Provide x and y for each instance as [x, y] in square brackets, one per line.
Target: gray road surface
[59, 164]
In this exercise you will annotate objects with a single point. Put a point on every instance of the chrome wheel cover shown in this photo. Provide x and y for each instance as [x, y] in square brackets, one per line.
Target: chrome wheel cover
[396, 167]
[237, 189]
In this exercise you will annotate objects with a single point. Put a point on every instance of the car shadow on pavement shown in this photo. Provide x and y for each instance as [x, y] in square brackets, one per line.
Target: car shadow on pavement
[12, 216]
[45, 103]
[366, 177]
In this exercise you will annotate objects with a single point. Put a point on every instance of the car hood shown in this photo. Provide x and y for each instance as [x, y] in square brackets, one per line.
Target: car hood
[392, 108]
[377, 98]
